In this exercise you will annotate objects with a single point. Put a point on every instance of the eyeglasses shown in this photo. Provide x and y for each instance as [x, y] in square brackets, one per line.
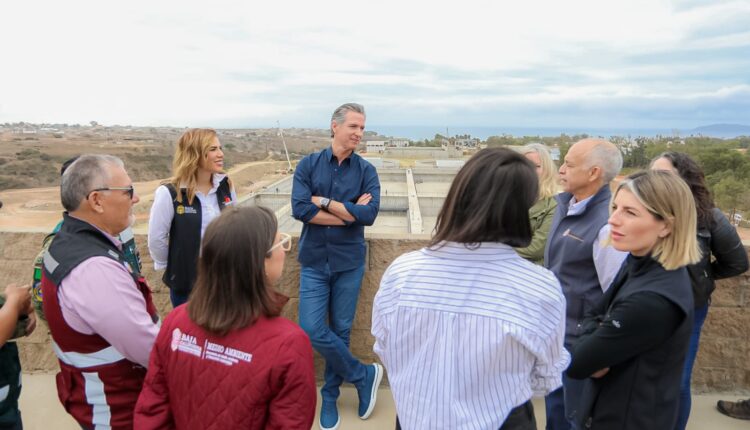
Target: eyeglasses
[285, 243]
[129, 190]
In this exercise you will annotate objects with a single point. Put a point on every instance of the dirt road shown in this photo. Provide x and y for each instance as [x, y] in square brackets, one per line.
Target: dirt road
[39, 209]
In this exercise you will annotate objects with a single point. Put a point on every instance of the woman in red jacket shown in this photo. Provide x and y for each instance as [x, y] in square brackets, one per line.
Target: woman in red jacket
[227, 360]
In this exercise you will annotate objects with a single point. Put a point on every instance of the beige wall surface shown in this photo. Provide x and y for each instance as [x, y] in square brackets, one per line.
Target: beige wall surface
[722, 363]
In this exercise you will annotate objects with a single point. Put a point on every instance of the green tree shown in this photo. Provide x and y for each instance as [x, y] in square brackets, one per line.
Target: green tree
[732, 194]
[504, 140]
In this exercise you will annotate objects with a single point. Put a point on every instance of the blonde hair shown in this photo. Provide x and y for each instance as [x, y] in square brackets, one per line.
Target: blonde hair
[548, 178]
[190, 151]
[669, 199]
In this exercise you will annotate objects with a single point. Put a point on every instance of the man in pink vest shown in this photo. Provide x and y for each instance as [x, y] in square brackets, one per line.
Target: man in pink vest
[100, 314]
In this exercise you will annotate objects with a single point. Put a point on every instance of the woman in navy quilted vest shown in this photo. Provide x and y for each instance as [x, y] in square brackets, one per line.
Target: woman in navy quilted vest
[184, 206]
[226, 360]
[636, 337]
[723, 256]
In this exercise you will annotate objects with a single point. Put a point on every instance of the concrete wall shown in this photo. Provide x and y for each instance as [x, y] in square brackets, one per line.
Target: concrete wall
[391, 175]
[394, 203]
[433, 176]
[422, 152]
[271, 201]
[430, 206]
[722, 364]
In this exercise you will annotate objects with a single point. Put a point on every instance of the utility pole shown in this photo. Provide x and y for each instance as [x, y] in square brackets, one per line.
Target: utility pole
[281, 134]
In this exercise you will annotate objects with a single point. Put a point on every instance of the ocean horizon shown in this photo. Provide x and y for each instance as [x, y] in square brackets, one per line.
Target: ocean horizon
[428, 132]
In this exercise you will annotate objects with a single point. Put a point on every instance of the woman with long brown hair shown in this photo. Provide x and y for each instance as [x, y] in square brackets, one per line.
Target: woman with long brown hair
[184, 206]
[723, 256]
[227, 360]
[467, 329]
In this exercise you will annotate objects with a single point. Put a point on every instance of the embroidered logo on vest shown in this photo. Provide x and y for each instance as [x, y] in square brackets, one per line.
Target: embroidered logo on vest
[181, 210]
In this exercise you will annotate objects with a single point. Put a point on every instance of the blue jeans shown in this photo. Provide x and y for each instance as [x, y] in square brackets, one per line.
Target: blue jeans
[327, 303]
[687, 372]
[561, 405]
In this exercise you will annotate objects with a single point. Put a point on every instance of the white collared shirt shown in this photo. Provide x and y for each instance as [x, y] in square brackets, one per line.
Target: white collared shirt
[162, 212]
[466, 335]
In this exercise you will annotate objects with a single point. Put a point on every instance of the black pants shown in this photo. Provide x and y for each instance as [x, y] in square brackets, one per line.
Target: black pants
[520, 418]
[18, 425]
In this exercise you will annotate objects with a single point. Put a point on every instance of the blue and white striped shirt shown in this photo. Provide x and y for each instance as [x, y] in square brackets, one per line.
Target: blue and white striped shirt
[467, 334]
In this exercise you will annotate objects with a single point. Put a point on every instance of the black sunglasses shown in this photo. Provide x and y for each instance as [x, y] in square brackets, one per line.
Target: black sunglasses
[130, 190]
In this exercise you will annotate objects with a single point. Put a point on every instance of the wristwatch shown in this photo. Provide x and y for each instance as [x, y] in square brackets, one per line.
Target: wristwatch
[324, 202]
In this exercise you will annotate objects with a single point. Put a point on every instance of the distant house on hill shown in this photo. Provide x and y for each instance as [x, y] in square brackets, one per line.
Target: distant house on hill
[398, 142]
[375, 146]
[466, 142]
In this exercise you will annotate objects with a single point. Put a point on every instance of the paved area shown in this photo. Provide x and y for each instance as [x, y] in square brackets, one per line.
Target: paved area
[42, 411]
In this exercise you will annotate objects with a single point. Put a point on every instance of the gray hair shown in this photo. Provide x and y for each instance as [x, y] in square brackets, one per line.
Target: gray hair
[340, 113]
[608, 157]
[87, 173]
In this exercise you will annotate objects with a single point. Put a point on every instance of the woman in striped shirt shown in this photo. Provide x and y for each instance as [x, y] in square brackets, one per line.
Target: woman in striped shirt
[467, 329]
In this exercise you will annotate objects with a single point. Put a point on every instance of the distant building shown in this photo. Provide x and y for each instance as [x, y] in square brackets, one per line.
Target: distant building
[398, 142]
[468, 142]
[375, 146]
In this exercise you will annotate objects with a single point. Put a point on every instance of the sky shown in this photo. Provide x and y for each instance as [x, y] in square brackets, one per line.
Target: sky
[598, 63]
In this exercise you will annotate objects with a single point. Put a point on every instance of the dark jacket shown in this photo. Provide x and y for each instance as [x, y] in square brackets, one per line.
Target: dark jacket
[10, 383]
[729, 257]
[641, 389]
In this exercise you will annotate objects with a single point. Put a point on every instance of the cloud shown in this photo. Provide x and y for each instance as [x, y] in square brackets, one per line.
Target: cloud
[249, 64]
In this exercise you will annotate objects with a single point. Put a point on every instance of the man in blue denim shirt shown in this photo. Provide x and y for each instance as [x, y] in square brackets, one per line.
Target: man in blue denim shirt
[336, 194]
